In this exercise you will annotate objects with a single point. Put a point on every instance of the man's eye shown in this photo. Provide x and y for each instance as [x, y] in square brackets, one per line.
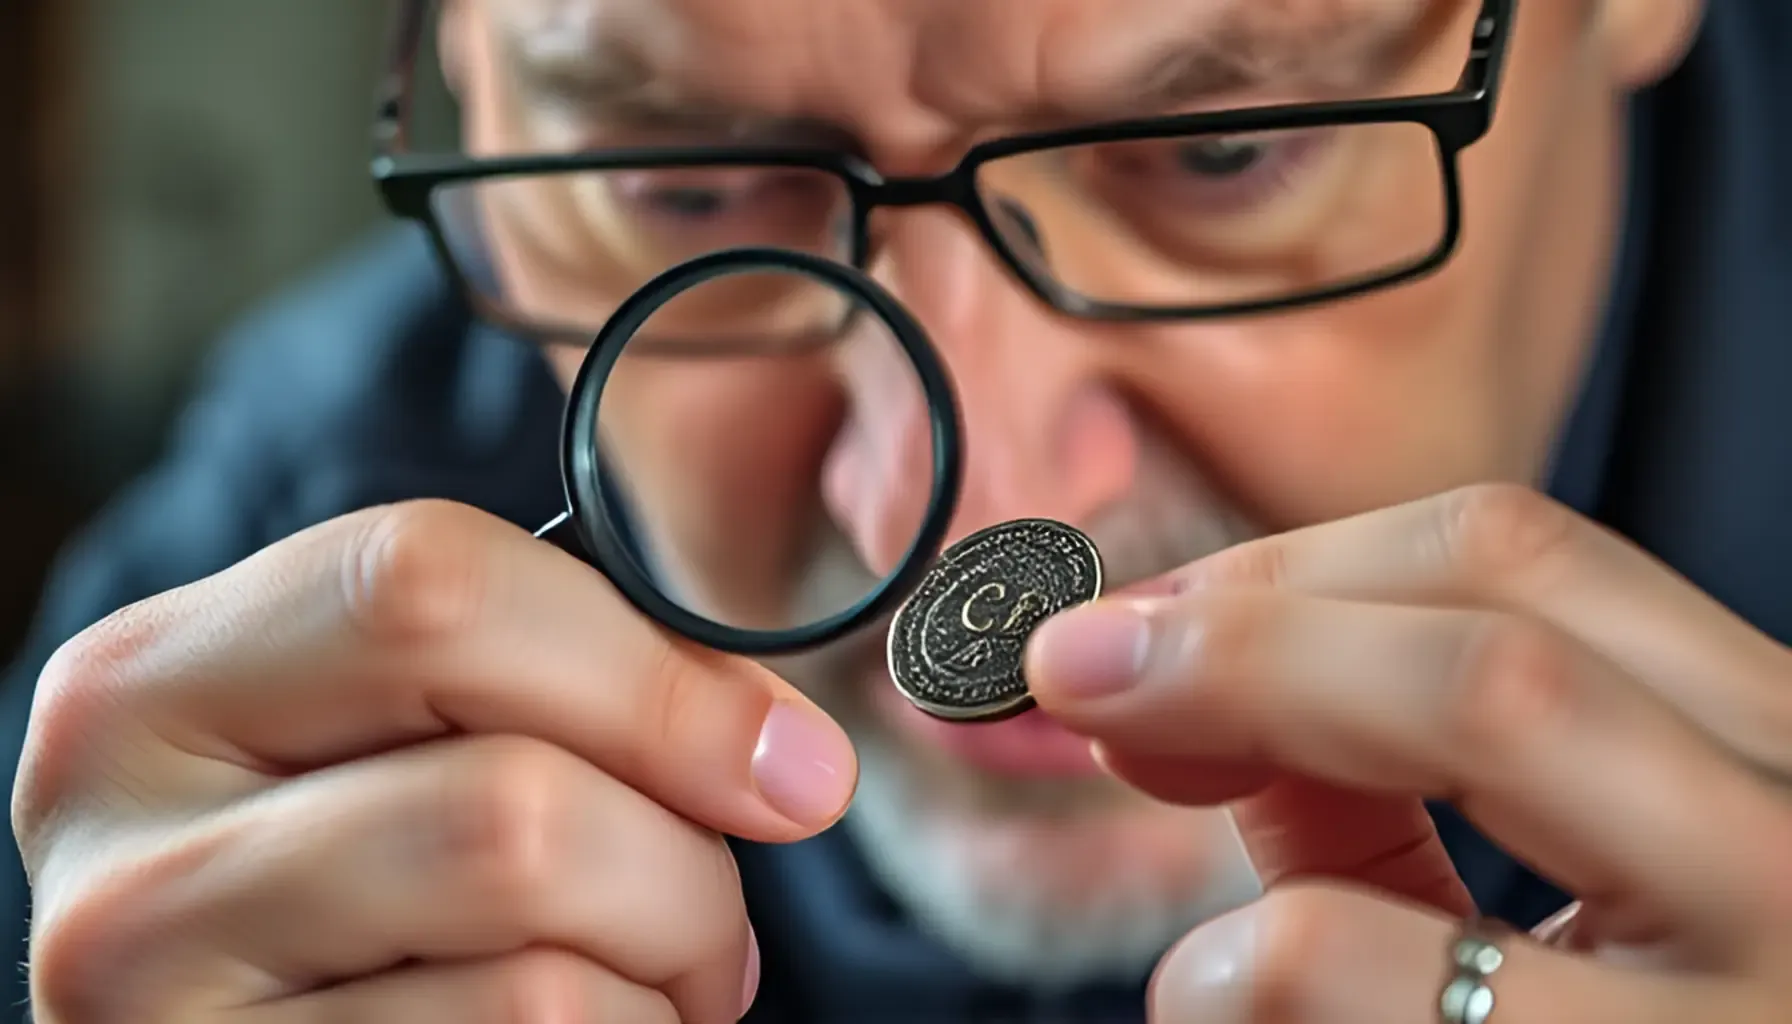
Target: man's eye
[1209, 162]
[689, 202]
[1219, 158]
[1211, 175]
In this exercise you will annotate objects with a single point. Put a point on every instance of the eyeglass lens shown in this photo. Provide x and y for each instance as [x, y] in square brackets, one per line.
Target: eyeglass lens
[1186, 221]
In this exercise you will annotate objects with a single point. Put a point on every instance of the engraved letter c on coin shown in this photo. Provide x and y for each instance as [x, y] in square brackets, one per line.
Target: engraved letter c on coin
[956, 646]
[997, 591]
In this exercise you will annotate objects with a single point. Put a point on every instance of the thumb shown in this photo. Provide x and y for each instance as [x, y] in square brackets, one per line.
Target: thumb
[1183, 692]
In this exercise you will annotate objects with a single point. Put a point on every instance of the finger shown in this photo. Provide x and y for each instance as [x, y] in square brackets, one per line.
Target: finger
[415, 621]
[1189, 781]
[461, 849]
[1295, 827]
[1591, 779]
[1335, 955]
[535, 985]
[1511, 547]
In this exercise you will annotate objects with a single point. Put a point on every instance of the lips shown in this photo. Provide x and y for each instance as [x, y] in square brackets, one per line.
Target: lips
[1029, 745]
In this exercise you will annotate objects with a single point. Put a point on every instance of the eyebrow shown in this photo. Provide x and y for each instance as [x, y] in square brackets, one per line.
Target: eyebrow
[1360, 42]
[1357, 45]
[606, 75]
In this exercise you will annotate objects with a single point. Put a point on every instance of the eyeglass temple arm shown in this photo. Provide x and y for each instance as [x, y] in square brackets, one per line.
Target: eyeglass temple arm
[392, 115]
[1488, 47]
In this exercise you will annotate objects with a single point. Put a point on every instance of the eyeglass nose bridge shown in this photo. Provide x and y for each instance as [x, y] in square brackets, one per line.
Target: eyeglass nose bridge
[952, 188]
[957, 188]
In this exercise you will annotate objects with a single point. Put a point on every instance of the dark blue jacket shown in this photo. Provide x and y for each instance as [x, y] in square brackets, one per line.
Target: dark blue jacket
[372, 384]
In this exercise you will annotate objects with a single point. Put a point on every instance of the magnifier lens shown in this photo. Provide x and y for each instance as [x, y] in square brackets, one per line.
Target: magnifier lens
[766, 453]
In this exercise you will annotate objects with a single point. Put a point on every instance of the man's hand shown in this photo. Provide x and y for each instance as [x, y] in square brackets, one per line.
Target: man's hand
[410, 766]
[1593, 713]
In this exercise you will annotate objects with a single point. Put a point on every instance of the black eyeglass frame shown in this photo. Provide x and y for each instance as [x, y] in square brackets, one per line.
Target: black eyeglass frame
[1456, 119]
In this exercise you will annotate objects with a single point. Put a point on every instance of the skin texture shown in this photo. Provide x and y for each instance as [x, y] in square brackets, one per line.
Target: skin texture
[1155, 440]
[367, 774]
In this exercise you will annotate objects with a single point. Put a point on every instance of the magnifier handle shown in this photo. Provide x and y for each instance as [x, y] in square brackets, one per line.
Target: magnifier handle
[560, 532]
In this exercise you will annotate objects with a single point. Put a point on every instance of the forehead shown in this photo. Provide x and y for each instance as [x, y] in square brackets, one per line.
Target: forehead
[964, 60]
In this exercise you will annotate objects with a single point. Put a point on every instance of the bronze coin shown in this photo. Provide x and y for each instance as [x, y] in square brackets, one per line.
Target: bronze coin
[956, 644]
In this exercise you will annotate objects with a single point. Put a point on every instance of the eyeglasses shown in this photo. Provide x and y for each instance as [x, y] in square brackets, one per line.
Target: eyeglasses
[1178, 218]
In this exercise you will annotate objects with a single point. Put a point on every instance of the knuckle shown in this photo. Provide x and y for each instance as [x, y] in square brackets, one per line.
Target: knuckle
[67, 962]
[541, 986]
[1499, 530]
[415, 571]
[78, 690]
[1301, 925]
[1517, 685]
[98, 930]
[67, 954]
[506, 823]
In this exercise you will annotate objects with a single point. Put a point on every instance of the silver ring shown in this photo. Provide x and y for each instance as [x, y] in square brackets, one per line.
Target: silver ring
[1474, 957]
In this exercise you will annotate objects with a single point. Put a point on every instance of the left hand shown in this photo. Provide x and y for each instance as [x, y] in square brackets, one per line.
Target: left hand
[1593, 713]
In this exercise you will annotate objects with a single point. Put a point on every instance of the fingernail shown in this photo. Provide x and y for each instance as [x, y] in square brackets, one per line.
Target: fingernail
[803, 765]
[749, 986]
[1206, 977]
[1094, 651]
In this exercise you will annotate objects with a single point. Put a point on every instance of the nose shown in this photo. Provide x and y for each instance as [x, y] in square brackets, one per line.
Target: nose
[1046, 431]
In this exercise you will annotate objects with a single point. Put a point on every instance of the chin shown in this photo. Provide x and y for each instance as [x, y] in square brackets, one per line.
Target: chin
[1045, 882]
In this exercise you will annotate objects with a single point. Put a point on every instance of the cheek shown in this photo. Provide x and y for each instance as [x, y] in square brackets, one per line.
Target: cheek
[1318, 415]
[1457, 378]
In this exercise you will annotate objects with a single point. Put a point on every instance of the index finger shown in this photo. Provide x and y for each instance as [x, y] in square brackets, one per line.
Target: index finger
[401, 624]
[1509, 547]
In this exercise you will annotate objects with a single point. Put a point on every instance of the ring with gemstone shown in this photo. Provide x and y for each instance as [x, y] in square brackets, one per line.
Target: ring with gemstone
[1474, 958]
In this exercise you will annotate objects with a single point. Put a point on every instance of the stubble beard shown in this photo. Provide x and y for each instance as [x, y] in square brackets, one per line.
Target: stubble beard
[1054, 882]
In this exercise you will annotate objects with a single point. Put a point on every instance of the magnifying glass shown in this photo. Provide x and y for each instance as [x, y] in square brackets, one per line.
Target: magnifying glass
[716, 385]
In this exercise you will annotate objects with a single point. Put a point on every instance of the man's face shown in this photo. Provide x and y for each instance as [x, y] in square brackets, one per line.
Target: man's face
[1164, 442]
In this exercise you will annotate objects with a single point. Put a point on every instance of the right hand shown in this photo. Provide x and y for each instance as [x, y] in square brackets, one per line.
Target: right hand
[412, 765]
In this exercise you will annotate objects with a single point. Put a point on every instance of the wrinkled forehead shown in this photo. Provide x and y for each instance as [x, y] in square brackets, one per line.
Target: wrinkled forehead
[974, 63]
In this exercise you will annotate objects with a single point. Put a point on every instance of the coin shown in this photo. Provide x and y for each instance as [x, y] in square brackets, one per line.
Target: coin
[956, 645]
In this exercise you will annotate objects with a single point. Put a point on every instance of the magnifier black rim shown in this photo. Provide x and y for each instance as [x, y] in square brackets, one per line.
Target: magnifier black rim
[583, 477]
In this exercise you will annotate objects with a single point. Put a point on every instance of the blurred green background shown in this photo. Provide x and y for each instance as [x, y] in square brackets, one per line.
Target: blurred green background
[164, 166]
